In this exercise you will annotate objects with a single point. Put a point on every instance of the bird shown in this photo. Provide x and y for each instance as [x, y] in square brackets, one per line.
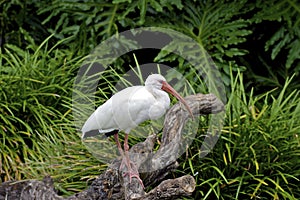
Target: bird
[128, 108]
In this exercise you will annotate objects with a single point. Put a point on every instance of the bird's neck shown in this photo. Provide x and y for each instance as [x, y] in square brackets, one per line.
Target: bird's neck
[160, 95]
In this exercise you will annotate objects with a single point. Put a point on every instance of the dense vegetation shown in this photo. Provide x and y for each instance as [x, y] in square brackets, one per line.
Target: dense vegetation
[256, 46]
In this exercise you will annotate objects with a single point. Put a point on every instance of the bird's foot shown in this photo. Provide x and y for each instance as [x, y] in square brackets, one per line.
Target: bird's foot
[130, 171]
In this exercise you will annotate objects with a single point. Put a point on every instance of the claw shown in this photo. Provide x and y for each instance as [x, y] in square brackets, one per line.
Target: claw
[134, 174]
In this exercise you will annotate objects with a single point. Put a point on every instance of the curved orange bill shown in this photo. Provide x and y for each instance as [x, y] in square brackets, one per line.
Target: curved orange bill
[168, 88]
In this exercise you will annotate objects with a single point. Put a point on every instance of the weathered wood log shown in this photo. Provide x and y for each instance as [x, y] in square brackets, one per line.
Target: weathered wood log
[29, 189]
[154, 165]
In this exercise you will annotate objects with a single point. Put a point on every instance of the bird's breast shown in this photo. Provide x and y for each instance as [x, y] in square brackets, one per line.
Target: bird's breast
[159, 106]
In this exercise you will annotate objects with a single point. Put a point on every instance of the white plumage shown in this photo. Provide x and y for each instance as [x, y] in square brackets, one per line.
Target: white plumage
[127, 109]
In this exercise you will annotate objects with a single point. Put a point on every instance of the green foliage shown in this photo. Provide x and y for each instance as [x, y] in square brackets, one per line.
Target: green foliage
[286, 36]
[96, 20]
[20, 14]
[275, 47]
[257, 154]
[35, 89]
[218, 26]
[272, 79]
[214, 26]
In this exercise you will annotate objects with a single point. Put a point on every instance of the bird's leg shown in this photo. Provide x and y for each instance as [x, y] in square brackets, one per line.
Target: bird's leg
[126, 160]
[132, 171]
[116, 136]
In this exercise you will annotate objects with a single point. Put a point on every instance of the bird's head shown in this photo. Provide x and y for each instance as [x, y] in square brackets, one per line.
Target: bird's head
[157, 81]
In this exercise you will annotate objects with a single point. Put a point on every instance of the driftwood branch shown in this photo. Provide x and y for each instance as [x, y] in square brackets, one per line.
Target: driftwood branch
[153, 166]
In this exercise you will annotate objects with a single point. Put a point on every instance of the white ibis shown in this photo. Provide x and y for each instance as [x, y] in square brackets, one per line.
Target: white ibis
[127, 109]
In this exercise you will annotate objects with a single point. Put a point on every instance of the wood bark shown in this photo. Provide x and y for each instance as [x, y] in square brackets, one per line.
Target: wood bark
[153, 166]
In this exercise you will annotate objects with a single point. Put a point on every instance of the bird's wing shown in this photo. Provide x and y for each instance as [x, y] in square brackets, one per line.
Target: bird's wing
[130, 107]
[114, 114]
[134, 105]
[99, 118]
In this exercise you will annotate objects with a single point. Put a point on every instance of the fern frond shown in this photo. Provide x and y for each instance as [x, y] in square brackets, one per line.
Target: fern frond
[288, 34]
[212, 25]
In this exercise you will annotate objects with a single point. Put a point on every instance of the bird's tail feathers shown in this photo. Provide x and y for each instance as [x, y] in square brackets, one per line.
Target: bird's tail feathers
[93, 133]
